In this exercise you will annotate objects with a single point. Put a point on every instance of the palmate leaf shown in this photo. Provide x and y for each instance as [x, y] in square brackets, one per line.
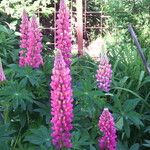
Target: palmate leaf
[147, 143]
[79, 140]
[5, 136]
[5, 133]
[147, 129]
[17, 94]
[130, 104]
[39, 136]
[135, 118]
[121, 146]
[43, 109]
[28, 75]
[135, 147]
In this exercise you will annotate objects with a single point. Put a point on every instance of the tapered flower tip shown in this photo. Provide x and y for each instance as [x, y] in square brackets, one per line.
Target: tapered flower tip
[107, 126]
[58, 54]
[59, 58]
[33, 18]
[34, 22]
[24, 13]
[62, 2]
[106, 109]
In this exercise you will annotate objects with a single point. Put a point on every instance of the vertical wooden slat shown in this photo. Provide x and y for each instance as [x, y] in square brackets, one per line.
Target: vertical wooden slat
[79, 8]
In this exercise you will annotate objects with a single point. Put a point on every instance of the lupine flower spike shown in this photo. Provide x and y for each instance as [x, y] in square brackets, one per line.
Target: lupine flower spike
[104, 73]
[61, 104]
[2, 75]
[63, 32]
[34, 57]
[23, 39]
[107, 126]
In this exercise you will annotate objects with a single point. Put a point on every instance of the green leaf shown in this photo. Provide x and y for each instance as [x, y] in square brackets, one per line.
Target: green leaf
[39, 136]
[119, 123]
[147, 143]
[43, 109]
[135, 147]
[130, 104]
[92, 147]
[135, 118]
[28, 75]
[17, 94]
[126, 128]
[5, 133]
[79, 140]
[147, 129]
[121, 146]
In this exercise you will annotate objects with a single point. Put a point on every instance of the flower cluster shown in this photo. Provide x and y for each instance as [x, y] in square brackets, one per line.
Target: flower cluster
[63, 32]
[2, 75]
[34, 58]
[107, 126]
[61, 103]
[23, 39]
[30, 43]
[104, 74]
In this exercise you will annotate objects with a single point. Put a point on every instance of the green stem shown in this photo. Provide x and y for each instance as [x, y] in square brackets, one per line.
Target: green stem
[124, 89]
[17, 138]
[28, 119]
[142, 107]
[63, 149]
[6, 114]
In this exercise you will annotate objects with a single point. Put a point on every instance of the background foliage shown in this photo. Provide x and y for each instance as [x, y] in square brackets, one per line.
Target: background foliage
[24, 97]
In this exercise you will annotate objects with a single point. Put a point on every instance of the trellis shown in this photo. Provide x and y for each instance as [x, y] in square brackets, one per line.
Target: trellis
[79, 12]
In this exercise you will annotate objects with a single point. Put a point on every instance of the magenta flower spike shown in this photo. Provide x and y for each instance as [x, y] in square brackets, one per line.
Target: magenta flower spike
[23, 39]
[104, 74]
[107, 126]
[63, 32]
[61, 104]
[2, 75]
[34, 49]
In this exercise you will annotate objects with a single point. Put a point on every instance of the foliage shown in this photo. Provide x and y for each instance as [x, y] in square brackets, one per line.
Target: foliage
[15, 7]
[8, 45]
[24, 97]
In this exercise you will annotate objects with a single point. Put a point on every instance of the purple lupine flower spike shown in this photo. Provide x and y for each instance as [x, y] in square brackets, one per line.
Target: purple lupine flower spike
[63, 32]
[107, 126]
[61, 103]
[34, 57]
[23, 39]
[2, 75]
[104, 73]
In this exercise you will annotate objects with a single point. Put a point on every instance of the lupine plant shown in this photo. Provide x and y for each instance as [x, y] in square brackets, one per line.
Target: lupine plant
[107, 127]
[30, 43]
[23, 39]
[63, 32]
[43, 113]
[34, 49]
[104, 73]
[61, 103]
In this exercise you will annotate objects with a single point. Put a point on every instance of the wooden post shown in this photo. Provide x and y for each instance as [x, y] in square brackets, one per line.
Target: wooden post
[134, 37]
[79, 29]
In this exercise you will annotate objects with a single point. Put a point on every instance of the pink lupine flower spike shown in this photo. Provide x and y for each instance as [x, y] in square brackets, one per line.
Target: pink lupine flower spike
[34, 57]
[61, 104]
[2, 75]
[63, 32]
[104, 74]
[107, 126]
[23, 39]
